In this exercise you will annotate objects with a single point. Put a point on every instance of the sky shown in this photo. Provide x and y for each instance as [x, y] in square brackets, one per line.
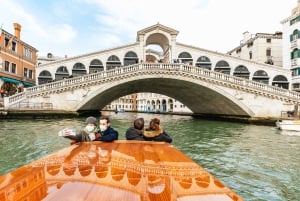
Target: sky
[75, 27]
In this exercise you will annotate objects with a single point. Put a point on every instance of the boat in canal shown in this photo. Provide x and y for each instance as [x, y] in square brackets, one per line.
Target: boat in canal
[120, 170]
[288, 124]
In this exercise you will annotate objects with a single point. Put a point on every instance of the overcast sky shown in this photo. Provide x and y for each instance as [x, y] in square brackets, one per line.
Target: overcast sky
[74, 27]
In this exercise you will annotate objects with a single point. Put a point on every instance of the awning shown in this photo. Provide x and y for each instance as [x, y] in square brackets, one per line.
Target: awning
[11, 80]
[28, 84]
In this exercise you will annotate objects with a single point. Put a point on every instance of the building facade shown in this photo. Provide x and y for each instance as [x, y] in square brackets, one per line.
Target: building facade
[261, 47]
[17, 62]
[291, 46]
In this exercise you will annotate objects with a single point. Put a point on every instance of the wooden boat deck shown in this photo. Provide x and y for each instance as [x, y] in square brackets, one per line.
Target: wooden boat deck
[117, 171]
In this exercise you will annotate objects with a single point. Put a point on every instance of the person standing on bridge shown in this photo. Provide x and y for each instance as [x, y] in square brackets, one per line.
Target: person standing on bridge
[156, 133]
[107, 133]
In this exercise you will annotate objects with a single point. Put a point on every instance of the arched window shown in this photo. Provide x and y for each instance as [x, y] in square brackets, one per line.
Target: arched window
[280, 81]
[44, 77]
[222, 67]
[185, 57]
[204, 62]
[261, 76]
[96, 66]
[130, 58]
[241, 71]
[61, 73]
[112, 62]
[78, 70]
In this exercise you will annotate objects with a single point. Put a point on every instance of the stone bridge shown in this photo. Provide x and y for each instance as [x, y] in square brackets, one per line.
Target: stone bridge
[205, 92]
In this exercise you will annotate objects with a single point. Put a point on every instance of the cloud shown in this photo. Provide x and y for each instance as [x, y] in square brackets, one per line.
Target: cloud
[82, 26]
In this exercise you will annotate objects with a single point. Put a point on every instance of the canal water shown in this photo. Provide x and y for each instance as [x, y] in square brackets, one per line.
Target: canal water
[257, 162]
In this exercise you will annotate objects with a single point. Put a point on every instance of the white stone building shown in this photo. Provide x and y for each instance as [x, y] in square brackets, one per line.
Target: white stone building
[261, 47]
[291, 46]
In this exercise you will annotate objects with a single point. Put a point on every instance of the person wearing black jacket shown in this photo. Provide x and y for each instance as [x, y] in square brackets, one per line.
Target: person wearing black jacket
[136, 132]
[107, 133]
[156, 133]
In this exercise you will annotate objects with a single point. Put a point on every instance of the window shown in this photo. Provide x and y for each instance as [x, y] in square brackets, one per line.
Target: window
[27, 53]
[250, 55]
[268, 40]
[25, 72]
[13, 46]
[6, 42]
[6, 66]
[13, 68]
[268, 52]
[30, 74]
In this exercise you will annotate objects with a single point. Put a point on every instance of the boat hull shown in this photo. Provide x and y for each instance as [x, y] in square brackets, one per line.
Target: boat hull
[291, 125]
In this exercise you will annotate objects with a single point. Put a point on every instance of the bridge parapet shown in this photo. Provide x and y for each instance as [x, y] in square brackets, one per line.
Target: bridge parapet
[189, 71]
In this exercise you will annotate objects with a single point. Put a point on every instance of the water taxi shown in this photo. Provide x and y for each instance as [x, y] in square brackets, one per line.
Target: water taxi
[288, 124]
[121, 170]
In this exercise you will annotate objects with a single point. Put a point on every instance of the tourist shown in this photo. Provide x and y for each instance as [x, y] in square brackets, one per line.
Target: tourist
[156, 133]
[88, 133]
[107, 133]
[136, 131]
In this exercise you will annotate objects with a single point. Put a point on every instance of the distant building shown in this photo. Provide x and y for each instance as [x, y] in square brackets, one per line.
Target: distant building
[17, 62]
[291, 46]
[148, 102]
[261, 47]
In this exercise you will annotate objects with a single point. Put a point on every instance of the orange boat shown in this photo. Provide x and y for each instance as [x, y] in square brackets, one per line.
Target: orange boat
[117, 171]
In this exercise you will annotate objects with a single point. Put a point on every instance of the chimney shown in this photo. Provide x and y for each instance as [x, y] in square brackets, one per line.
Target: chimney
[17, 30]
[246, 36]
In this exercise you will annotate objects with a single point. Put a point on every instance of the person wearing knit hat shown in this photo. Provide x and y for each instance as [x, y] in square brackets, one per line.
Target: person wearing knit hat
[88, 133]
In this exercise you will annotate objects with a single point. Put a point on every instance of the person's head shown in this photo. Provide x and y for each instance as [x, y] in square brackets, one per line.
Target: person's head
[154, 124]
[138, 123]
[104, 123]
[91, 123]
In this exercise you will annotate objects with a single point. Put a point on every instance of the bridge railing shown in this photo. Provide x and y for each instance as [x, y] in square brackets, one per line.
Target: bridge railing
[179, 67]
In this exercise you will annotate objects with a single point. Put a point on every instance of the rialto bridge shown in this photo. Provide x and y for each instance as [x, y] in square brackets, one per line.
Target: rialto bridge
[207, 82]
[205, 92]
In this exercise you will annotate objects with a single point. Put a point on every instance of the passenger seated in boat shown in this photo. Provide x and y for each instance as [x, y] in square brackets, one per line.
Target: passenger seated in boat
[107, 133]
[88, 133]
[290, 113]
[136, 131]
[156, 133]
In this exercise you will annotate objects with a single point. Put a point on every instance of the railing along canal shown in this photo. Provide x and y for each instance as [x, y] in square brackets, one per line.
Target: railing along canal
[150, 67]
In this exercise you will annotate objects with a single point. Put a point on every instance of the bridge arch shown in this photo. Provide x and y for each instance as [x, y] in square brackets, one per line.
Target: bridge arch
[45, 77]
[200, 97]
[113, 61]
[185, 57]
[222, 66]
[204, 62]
[96, 65]
[241, 71]
[78, 69]
[61, 73]
[130, 58]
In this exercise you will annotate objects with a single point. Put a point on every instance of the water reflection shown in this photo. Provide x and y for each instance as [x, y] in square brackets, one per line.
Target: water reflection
[122, 170]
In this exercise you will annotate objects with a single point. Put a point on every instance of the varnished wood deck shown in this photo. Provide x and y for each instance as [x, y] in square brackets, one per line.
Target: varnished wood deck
[118, 171]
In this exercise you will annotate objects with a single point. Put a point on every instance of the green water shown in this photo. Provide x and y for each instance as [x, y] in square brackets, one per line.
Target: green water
[257, 162]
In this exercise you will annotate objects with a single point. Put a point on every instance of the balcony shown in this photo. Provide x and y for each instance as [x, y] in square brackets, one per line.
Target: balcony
[295, 44]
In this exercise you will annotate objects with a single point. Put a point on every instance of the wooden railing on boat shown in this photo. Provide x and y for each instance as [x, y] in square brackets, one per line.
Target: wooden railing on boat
[121, 170]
